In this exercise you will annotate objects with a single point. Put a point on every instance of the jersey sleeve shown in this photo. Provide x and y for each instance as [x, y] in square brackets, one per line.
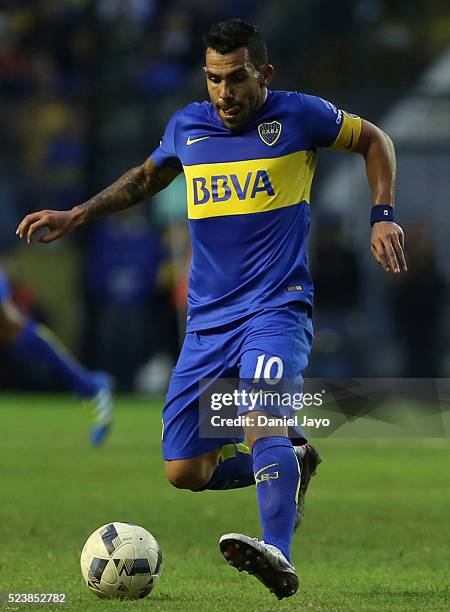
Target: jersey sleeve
[328, 126]
[166, 154]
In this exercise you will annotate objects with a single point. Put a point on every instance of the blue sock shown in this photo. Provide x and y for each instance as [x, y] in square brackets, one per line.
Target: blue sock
[277, 476]
[234, 470]
[36, 343]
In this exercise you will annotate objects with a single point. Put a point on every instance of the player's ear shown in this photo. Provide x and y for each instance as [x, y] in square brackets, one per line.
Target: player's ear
[266, 73]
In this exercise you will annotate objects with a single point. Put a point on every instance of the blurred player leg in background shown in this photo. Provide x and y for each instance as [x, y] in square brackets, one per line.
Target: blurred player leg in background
[34, 343]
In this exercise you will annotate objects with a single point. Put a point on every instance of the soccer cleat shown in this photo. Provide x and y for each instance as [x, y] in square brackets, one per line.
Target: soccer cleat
[308, 459]
[264, 561]
[101, 408]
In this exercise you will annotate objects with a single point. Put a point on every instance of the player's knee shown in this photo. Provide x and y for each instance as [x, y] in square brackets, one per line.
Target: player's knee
[186, 480]
[182, 475]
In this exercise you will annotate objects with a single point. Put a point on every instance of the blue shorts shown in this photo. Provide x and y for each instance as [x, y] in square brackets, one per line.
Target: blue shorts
[270, 337]
[4, 286]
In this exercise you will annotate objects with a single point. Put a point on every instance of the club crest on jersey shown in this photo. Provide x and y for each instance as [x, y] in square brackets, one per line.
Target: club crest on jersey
[269, 132]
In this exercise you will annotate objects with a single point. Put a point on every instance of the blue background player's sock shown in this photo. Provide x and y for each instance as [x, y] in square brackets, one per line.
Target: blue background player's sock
[37, 343]
[277, 477]
[234, 470]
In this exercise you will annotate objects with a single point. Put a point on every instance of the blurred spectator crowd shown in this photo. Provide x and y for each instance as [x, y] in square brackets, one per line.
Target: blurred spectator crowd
[85, 90]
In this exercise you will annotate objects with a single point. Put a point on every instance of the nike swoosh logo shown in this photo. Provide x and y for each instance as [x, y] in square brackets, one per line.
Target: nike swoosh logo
[190, 140]
[349, 146]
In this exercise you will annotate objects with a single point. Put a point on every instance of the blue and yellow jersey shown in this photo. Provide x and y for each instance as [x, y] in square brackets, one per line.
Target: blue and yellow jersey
[248, 197]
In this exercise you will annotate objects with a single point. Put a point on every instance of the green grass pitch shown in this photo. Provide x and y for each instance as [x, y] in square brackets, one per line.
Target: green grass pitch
[375, 534]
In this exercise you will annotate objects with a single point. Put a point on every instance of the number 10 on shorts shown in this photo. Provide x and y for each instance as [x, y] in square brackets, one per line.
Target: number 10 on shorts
[271, 370]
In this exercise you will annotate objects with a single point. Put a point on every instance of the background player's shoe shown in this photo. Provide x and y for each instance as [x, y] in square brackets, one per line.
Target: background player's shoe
[101, 408]
[264, 561]
[308, 459]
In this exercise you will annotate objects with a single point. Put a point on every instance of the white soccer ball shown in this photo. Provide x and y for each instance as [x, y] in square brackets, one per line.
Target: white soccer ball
[121, 561]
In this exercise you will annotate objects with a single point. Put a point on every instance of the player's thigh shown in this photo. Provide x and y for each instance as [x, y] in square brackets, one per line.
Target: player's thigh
[277, 345]
[202, 358]
[274, 355]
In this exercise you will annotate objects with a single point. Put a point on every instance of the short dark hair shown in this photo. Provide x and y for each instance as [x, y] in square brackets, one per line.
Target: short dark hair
[227, 36]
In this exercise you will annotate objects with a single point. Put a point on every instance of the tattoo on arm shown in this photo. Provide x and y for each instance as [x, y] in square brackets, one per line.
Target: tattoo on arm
[131, 188]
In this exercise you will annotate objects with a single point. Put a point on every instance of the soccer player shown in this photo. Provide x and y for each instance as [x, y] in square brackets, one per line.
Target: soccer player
[32, 343]
[248, 156]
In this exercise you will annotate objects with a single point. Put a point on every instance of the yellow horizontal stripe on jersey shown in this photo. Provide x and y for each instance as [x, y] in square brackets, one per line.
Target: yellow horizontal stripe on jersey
[250, 186]
[349, 134]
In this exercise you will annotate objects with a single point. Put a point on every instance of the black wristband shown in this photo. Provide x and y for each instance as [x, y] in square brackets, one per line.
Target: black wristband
[381, 212]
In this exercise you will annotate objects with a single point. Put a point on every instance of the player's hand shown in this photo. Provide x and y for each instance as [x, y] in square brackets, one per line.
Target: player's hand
[58, 222]
[387, 246]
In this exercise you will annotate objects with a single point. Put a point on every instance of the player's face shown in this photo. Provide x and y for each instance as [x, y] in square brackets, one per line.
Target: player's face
[236, 87]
